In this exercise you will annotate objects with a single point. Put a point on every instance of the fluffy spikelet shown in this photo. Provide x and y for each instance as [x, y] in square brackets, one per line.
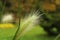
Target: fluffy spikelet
[28, 23]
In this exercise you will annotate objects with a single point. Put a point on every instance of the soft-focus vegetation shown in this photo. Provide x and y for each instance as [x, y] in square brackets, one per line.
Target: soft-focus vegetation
[49, 22]
[9, 25]
[36, 33]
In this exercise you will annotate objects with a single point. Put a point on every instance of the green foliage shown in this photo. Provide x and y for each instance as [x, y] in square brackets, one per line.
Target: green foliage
[37, 33]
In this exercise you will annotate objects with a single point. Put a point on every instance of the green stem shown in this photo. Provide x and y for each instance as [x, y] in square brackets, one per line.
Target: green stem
[57, 37]
[16, 34]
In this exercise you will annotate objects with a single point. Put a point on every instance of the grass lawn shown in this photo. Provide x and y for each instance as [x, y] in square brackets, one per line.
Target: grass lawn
[37, 33]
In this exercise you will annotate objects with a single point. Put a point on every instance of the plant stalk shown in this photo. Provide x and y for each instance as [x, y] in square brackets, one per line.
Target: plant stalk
[19, 16]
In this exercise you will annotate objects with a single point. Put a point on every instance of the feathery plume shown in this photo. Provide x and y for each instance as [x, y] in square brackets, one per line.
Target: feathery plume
[27, 23]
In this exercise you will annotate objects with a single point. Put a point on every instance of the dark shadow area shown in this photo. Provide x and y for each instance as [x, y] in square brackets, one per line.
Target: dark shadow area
[45, 37]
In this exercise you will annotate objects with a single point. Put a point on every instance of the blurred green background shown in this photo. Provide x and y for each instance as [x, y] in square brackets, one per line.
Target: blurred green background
[50, 7]
[36, 33]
